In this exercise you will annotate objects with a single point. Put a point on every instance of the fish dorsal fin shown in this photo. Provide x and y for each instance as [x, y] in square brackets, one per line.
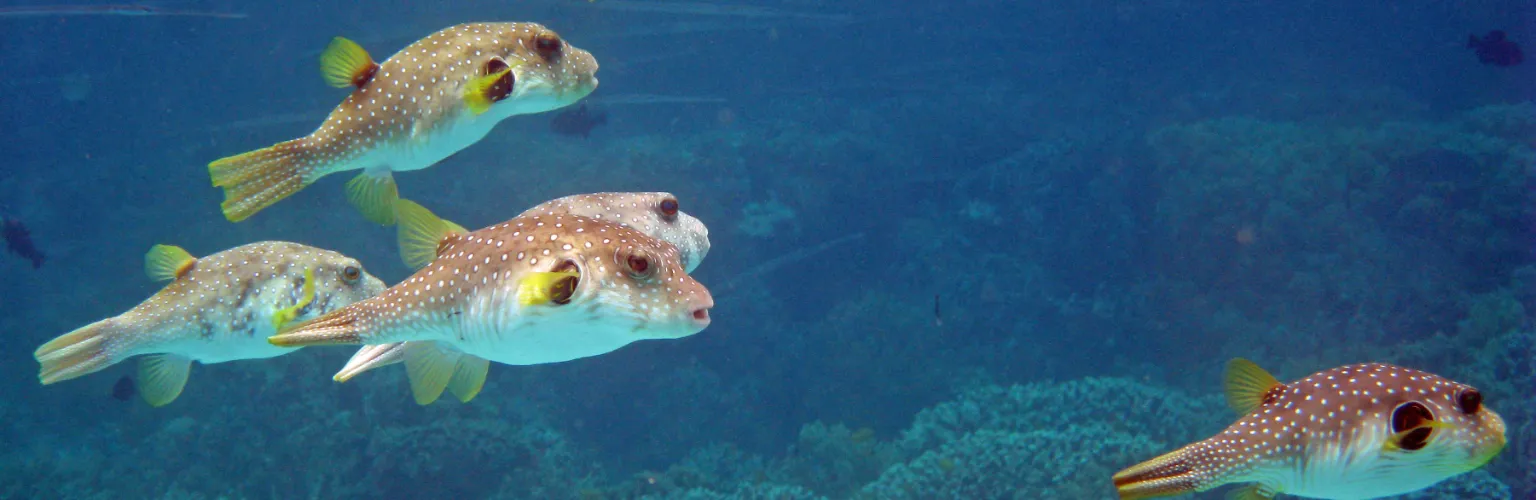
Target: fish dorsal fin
[344, 63]
[421, 233]
[1247, 384]
[167, 262]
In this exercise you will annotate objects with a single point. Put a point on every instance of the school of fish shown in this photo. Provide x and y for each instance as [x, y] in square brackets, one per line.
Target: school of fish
[584, 275]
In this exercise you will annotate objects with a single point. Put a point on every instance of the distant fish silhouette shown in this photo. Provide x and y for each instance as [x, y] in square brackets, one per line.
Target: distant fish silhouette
[1495, 49]
[578, 121]
[124, 389]
[108, 10]
[19, 241]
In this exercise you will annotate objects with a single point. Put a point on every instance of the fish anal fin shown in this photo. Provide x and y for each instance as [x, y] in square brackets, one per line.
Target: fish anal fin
[429, 370]
[344, 63]
[1247, 385]
[257, 179]
[1251, 492]
[468, 377]
[162, 377]
[374, 194]
[167, 262]
[421, 233]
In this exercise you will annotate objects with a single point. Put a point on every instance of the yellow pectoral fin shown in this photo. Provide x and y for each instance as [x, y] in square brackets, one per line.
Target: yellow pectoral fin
[167, 262]
[485, 90]
[285, 315]
[544, 287]
[344, 63]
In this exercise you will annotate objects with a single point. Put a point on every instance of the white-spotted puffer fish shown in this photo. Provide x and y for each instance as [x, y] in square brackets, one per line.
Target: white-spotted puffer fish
[1354, 432]
[532, 290]
[435, 97]
[657, 214]
[218, 308]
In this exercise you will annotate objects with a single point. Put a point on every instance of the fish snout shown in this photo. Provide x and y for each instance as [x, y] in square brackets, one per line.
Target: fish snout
[700, 313]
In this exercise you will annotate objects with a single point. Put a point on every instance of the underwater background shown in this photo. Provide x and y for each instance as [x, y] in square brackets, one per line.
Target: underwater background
[964, 249]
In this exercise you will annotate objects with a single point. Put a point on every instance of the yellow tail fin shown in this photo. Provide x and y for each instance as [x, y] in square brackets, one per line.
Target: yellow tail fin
[86, 350]
[257, 179]
[1173, 473]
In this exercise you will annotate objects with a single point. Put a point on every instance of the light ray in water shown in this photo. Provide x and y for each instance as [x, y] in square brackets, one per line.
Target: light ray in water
[108, 10]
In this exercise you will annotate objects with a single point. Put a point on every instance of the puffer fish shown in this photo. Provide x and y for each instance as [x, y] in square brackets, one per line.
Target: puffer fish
[435, 97]
[532, 290]
[217, 308]
[657, 214]
[1354, 432]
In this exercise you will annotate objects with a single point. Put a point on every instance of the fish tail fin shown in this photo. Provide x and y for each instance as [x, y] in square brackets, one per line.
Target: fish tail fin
[347, 325]
[370, 357]
[374, 193]
[86, 350]
[1173, 473]
[257, 179]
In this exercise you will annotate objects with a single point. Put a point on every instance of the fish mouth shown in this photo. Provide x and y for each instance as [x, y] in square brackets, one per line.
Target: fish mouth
[698, 317]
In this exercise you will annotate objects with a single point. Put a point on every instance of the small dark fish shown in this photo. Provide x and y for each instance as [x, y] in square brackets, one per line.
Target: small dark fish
[124, 389]
[19, 241]
[578, 121]
[938, 317]
[1495, 49]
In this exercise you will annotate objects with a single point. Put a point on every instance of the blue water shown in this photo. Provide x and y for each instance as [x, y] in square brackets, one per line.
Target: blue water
[960, 249]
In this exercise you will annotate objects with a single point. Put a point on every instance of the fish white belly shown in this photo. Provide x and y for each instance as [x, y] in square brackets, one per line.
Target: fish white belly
[222, 346]
[504, 335]
[1359, 472]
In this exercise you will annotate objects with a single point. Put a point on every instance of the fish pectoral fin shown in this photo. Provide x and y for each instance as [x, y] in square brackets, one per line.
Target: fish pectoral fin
[162, 376]
[430, 369]
[370, 357]
[167, 262]
[539, 288]
[485, 90]
[1251, 492]
[468, 377]
[421, 233]
[374, 194]
[345, 64]
[1246, 385]
[286, 315]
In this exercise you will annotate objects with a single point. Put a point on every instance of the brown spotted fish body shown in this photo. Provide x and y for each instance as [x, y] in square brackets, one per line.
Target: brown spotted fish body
[218, 308]
[532, 290]
[435, 97]
[1354, 432]
[656, 214]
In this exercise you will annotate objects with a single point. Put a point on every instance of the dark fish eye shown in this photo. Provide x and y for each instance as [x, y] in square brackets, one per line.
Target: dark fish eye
[548, 44]
[1469, 400]
[669, 208]
[351, 274]
[639, 264]
[1412, 415]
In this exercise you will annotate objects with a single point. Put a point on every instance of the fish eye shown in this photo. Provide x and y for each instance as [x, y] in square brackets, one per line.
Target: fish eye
[638, 264]
[1412, 416]
[1469, 400]
[668, 208]
[547, 44]
[351, 274]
